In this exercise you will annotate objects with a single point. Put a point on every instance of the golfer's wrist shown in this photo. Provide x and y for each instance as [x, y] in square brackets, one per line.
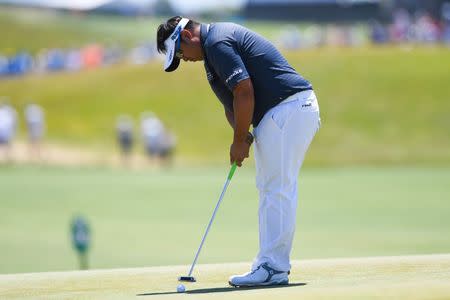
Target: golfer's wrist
[248, 138]
[239, 136]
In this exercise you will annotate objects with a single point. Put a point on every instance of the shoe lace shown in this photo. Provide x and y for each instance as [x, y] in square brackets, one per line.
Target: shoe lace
[253, 272]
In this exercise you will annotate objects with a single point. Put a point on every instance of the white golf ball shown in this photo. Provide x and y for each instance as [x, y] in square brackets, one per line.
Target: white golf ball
[181, 288]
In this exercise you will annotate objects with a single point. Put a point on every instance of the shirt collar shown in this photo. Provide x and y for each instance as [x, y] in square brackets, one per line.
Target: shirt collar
[204, 29]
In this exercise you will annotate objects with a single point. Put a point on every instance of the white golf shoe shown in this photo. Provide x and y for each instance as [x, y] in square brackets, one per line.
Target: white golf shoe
[264, 275]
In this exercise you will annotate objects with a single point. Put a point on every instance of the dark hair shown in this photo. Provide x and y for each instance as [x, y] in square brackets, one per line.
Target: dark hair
[166, 29]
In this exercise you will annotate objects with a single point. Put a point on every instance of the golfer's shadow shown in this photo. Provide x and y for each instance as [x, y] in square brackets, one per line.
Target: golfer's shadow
[225, 289]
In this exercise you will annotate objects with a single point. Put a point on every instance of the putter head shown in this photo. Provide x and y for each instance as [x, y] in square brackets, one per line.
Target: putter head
[186, 278]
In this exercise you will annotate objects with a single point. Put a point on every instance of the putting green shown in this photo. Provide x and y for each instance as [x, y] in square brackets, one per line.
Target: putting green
[395, 277]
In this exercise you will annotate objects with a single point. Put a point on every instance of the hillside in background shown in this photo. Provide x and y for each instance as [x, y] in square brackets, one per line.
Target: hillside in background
[33, 30]
[378, 105]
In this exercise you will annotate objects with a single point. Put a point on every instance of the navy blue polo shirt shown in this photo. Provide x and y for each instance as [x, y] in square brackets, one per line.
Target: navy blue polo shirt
[234, 53]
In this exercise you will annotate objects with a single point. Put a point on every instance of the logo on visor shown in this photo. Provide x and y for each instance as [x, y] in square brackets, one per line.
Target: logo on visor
[175, 33]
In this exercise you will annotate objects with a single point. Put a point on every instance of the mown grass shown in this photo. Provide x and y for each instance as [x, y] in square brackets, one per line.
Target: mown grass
[144, 218]
[398, 277]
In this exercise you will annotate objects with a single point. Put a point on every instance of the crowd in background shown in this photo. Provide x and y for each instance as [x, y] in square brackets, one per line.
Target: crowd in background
[157, 140]
[35, 124]
[70, 60]
[419, 28]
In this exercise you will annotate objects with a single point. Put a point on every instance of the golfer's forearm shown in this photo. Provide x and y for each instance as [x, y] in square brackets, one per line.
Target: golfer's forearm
[230, 117]
[243, 105]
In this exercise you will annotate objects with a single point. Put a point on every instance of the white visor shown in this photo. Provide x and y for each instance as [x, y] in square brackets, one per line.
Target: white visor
[172, 62]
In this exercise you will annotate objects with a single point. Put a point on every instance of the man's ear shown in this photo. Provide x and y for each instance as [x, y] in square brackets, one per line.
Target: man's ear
[186, 35]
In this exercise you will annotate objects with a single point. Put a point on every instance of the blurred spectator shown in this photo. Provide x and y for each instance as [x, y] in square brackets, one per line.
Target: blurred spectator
[142, 54]
[4, 66]
[55, 60]
[445, 11]
[158, 141]
[8, 124]
[20, 64]
[125, 138]
[92, 56]
[112, 55]
[41, 61]
[313, 36]
[152, 134]
[35, 121]
[400, 28]
[426, 30]
[353, 36]
[335, 36]
[291, 38]
[378, 33]
[446, 33]
[74, 61]
[169, 142]
[446, 22]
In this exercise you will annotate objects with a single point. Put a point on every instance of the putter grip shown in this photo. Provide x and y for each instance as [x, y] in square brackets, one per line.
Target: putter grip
[233, 168]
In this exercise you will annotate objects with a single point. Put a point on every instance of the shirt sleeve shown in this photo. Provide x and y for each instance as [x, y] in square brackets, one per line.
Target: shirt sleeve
[228, 64]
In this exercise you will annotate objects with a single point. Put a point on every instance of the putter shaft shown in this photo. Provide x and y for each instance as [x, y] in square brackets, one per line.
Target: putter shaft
[209, 226]
[230, 175]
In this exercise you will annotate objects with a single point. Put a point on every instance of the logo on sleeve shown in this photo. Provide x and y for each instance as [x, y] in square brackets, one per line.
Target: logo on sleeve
[209, 74]
[236, 72]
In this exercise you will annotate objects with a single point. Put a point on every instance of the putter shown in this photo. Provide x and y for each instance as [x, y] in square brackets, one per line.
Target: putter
[191, 278]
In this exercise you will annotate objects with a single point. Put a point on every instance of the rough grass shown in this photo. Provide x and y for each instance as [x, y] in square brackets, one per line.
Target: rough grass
[387, 105]
[402, 277]
[378, 105]
[33, 30]
[36, 29]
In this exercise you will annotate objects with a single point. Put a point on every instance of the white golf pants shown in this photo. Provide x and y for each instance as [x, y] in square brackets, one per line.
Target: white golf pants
[281, 141]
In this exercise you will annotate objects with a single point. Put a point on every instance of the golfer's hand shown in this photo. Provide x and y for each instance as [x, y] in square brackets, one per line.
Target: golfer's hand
[238, 152]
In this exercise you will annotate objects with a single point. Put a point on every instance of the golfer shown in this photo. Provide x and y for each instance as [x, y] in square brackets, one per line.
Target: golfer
[258, 87]
[8, 126]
